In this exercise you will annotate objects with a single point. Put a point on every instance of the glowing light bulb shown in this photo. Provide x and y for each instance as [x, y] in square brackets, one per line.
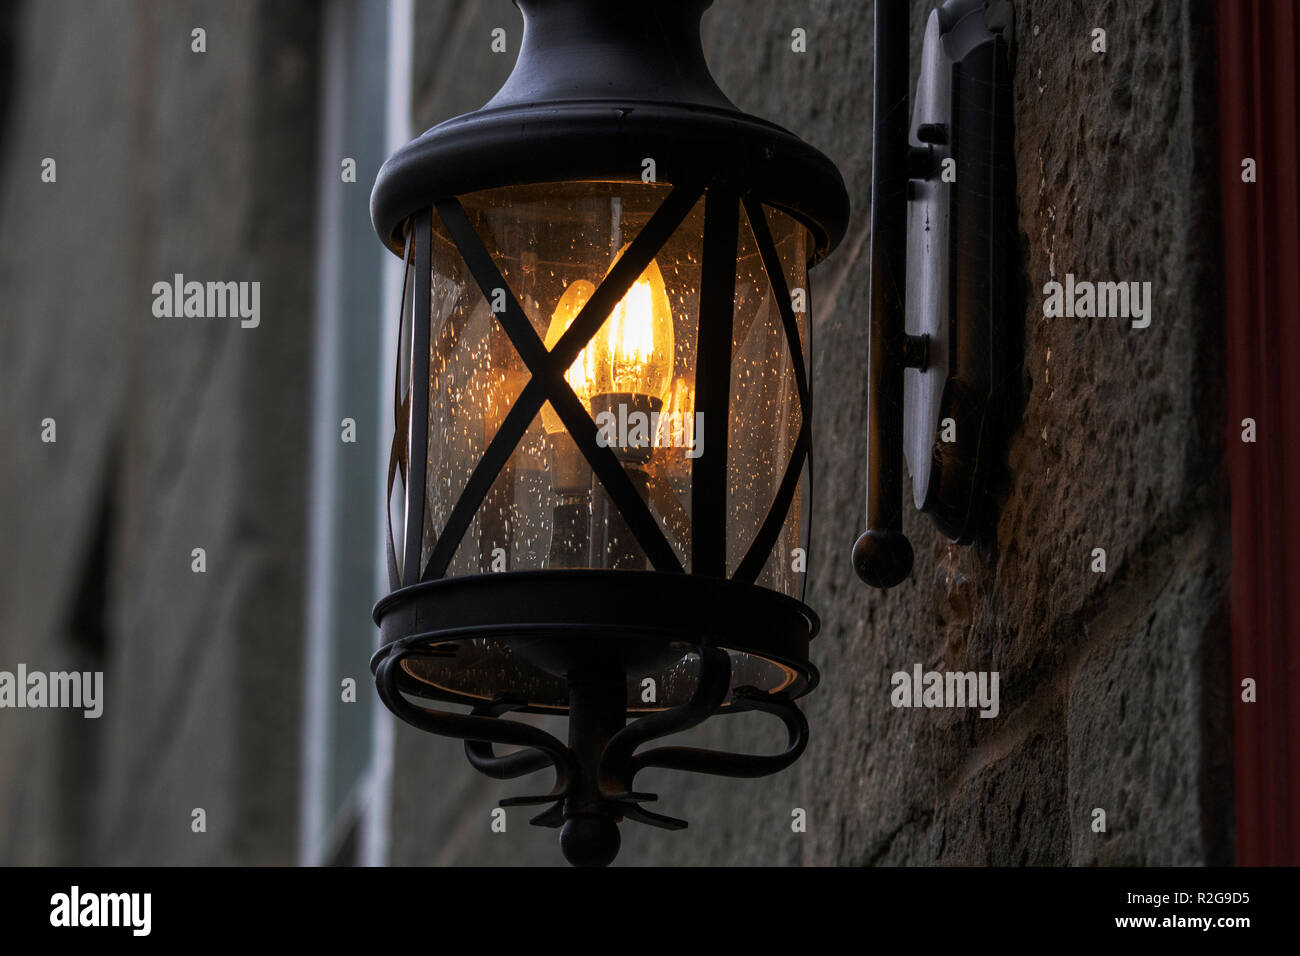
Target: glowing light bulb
[631, 354]
[633, 351]
[579, 375]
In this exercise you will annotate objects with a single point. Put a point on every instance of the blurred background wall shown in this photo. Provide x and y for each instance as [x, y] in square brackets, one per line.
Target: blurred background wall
[225, 689]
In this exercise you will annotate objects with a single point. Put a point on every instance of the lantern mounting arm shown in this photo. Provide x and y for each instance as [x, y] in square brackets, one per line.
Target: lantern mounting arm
[882, 555]
[943, 227]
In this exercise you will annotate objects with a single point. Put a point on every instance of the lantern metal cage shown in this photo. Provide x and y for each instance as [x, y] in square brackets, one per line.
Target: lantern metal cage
[601, 466]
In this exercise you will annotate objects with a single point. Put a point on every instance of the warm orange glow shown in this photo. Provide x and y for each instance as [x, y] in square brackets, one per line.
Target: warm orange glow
[677, 423]
[579, 374]
[632, 352]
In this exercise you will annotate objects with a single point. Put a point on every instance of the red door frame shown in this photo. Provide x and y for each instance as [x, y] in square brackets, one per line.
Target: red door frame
[1258, 118]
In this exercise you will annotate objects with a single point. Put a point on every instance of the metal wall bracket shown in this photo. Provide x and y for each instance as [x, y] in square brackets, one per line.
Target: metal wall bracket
[944, 191]
[959, 248]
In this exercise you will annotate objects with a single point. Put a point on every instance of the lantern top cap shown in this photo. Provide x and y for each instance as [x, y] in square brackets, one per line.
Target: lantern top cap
[598, 89]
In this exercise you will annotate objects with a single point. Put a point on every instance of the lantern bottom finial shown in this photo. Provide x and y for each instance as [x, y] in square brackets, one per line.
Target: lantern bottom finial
[590, 840]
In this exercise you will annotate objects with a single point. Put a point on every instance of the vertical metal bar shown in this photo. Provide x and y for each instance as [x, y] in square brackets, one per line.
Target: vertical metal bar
[398, 450]
[760, 550]
[713, 383]
[418, 437]
[883, 556]
[888, 268]
[597, 712]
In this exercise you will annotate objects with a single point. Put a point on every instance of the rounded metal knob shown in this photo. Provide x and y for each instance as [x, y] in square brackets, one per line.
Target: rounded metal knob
[882, 558]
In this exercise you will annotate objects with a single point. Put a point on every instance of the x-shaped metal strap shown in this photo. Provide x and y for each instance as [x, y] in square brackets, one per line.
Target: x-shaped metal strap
[549, 384]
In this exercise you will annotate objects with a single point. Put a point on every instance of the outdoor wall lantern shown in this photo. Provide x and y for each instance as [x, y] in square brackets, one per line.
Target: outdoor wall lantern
[599, 479]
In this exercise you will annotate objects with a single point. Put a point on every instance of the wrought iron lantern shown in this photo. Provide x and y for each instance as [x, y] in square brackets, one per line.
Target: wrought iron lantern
[599, 476]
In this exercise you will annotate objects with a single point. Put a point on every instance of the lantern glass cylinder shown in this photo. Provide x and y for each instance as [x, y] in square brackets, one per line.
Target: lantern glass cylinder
[636, 380]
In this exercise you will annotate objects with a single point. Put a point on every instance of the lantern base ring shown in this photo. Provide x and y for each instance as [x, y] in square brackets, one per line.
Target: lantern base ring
[596, 770]
[519, 633]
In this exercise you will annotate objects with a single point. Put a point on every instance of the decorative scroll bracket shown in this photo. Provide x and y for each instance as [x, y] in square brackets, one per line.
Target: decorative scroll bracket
[594, 773]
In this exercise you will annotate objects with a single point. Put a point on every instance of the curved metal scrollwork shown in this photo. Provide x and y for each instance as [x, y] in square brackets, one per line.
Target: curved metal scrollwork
[480, 729]
[616, 765]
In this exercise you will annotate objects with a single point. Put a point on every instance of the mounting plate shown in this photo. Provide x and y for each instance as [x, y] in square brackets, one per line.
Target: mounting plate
[960, 243]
